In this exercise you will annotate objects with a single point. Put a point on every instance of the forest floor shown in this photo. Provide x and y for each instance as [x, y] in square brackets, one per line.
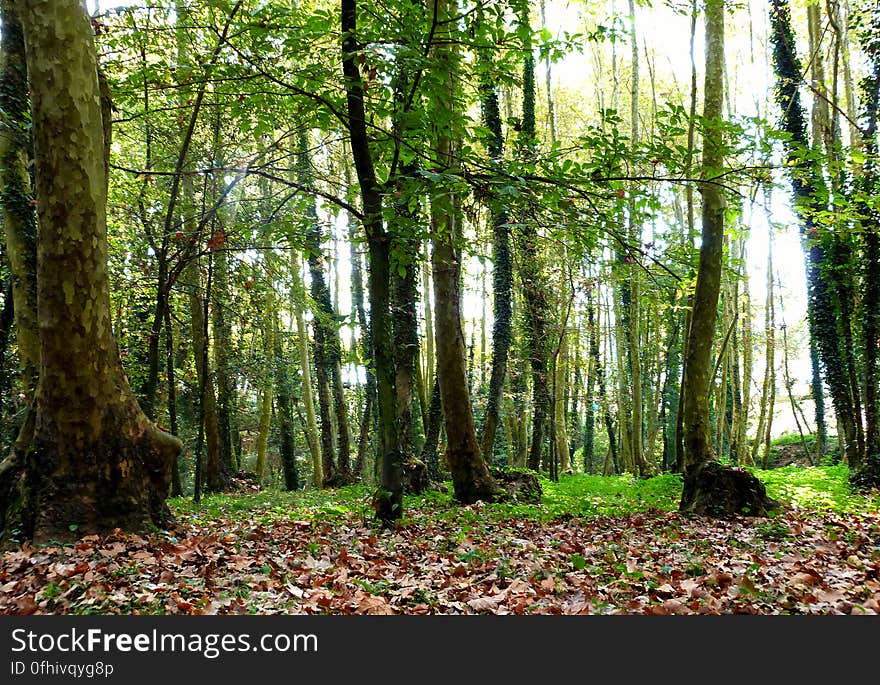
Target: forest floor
[595, 545]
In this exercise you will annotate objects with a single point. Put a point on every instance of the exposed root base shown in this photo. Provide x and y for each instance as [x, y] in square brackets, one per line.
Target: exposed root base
[719, 491]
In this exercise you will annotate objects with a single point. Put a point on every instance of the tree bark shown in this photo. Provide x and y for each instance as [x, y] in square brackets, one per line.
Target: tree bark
[302, 337]
[96, 463]
[388, 500]
[710, 488]
[470, 476]
[18, 215]
[502, 280]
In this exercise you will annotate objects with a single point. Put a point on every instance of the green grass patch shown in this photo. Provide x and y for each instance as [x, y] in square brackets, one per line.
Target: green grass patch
[821, 488]
[818, 488]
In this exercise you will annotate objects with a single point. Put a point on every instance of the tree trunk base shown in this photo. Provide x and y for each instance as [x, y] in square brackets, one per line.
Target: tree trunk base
[867, 476]
[718, 491]
[123, 483]
[519, 485]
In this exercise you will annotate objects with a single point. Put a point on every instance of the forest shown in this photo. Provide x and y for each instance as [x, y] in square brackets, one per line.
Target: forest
[450, 306]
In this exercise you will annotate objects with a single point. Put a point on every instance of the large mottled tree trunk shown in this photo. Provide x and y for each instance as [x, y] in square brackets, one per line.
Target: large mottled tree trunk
[470, 476]
[710, 488]
[95, 462]
[405, 324]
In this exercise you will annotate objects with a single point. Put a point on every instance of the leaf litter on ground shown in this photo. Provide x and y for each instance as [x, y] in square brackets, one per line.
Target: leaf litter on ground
[480, 559]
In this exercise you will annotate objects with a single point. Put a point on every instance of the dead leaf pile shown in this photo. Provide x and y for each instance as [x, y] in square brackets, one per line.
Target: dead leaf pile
[656, 563]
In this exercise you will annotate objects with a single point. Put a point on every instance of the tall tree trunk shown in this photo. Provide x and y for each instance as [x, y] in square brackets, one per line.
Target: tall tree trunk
[389, 498]
[769, 354]
[502, 279]
[222, 348]
[328, 347]
[710, 488]
[357, 294]
[97, 463]
[633, 340]
[470, 476]
[404, 320]
[868, 474]
[302, 337]
[531, 277]
[216, 478]
[176, 485]
[559, 414]
[808, 188]
[268, 316]
[743, 452]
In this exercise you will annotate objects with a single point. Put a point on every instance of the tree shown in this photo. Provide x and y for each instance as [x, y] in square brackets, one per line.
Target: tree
[470, 475]
[389, 496]
[96, 464]
[710, 488]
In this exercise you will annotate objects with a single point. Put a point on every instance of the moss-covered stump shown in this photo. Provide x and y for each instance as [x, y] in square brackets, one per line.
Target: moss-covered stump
[415, 476]
[712, 489]
[518, 485]
[340, 479]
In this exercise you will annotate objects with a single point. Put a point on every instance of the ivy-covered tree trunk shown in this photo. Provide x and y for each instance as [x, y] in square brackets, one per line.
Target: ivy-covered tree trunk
[709, 487]
[534, 287]
[286, 438]
[98, 463]
[810, 195]
[502, 279]
[18, 215]
[327, 345]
